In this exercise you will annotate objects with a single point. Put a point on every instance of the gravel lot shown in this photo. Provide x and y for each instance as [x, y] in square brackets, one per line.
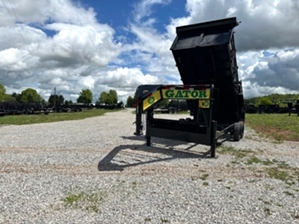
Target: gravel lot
[96, 171]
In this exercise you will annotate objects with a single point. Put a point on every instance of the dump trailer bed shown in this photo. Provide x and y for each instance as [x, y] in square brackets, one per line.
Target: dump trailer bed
[205, 56]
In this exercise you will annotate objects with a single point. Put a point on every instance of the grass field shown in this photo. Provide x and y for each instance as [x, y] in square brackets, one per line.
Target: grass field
[51, 117]
[277, 126]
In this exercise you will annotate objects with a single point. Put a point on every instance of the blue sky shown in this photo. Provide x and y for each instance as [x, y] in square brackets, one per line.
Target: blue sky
[116, 14]
[72, 45]
[121, 12]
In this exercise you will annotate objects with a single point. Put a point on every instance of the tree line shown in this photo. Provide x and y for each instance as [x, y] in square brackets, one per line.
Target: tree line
[273, 99]
[30, 95]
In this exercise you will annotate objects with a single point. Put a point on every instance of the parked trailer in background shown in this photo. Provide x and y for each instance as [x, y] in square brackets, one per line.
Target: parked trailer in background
[205, 56]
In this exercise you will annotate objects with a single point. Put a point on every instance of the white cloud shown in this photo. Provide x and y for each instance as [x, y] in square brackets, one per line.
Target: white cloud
[124, 80]
[62, 44]
[253, 90]
[76, 44]
[13, 59]
[143, 11]
[41, 11]
[86, 82]
[273, 72]
[264, 24]
[126, 77]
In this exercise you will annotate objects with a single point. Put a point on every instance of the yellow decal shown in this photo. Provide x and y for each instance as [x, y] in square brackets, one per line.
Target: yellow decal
[204, 104]
[185, 94]
[152, 99]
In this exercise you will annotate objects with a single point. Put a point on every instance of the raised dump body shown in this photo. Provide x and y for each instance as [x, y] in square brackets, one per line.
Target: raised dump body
[205, 54]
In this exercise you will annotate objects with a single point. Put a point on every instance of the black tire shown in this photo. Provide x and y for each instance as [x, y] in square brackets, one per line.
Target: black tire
[242, 129]
[237, 131]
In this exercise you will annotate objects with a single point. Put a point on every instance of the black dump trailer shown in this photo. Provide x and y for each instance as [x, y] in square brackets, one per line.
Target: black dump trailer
[205, 56]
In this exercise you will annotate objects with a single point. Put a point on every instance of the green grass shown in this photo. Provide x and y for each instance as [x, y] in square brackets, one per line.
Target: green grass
[234, 152]
[278, 174]
[51, 117]
[84, 201]
[277, 126]
[279, 170]
[254, 159]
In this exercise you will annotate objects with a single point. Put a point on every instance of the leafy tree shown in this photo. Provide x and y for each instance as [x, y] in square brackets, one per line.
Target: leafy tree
[2, 93]
[68, 102]
[112, 96]
[56, 100]
[2, 89]
[9, 98]
[278, 99]
[108, 98]
[264, 101]
[17, 97]
[5, 97]
[85, 96]
[103, 98]
[130, 102]
[30, 96]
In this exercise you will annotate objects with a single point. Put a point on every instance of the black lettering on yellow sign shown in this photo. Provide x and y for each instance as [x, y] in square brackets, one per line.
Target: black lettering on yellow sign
[186, 94]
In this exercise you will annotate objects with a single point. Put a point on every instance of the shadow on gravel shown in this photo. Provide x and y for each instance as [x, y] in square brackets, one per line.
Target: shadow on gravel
[160, 141]
[170, 143]
[124, 156]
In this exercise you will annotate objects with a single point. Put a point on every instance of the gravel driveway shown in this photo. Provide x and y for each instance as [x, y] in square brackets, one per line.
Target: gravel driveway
[96, 171]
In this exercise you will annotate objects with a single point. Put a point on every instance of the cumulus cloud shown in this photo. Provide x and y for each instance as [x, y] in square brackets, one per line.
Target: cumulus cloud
[77, 44]
[42, 11]
[283, 63]
[13, 59]
[143, 11]
[264, 24]
[125, 80]
[126, 77]
[267, 28]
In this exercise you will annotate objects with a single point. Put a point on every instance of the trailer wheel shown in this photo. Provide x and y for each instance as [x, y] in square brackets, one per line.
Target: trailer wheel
[148, 140]
[242, 128]
[237, 131]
